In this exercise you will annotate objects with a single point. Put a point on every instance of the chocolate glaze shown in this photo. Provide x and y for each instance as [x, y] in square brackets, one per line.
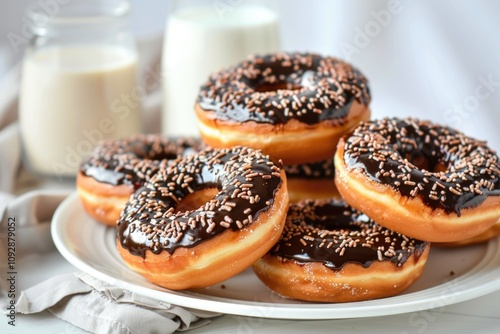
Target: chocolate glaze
[279, 87]
[440, 165]
[246, 181]
[313, 170]
[134, 160]
[333, 233]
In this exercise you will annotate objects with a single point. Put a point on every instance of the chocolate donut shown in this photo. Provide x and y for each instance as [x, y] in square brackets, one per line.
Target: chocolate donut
[205, 218]
[116, 168]
[331, 252]
[271, 102]
[418, 178]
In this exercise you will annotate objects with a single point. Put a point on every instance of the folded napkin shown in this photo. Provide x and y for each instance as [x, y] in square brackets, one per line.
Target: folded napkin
[72, 296]
[78, 297]
[101, 308]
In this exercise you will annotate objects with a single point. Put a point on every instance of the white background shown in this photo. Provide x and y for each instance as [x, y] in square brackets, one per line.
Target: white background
[427, 59]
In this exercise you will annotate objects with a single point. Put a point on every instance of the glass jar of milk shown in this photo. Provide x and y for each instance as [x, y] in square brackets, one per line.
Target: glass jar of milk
[79, 83]
[202, 37]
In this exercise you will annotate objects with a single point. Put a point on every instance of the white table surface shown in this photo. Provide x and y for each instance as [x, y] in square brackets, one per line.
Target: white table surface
[480, 315]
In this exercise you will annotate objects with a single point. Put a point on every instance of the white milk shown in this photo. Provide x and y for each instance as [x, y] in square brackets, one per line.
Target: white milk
[202, 40]
[72, 97]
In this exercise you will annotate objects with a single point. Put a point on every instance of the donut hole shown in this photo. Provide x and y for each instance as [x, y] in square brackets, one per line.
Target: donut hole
[423, 161]
[196, 199]
[156, 156]
[418, 160]
[266, 88]
[164, 156]
[148, 151]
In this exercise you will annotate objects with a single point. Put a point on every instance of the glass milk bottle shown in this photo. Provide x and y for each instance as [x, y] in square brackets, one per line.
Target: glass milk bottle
[202, 37]
[79, 83]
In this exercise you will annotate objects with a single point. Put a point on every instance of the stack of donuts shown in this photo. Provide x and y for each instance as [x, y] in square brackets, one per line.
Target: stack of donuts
[292, 178]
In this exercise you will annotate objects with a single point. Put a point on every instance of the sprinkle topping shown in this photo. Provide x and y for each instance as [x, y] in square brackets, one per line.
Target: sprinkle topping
[246, 181]
[332, 232]
[279, 87]
[135, 159]
[442, 166]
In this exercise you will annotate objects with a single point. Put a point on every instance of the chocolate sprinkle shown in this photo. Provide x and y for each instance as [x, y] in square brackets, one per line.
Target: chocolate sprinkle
[440, 165]
[333, 233]
[135, 159]
[150, 220]
[279, 87]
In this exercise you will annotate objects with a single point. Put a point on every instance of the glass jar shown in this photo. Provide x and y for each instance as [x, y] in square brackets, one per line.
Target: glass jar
[202, 37]
[79, 83]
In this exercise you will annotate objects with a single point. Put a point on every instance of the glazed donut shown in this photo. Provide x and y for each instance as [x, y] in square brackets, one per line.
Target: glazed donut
[115, 168]
[311, 180]
[283, 100]
[420, 179]
[330, 252]
[204, 219]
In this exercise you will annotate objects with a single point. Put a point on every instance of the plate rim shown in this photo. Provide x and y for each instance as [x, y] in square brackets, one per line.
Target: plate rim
[322, 311]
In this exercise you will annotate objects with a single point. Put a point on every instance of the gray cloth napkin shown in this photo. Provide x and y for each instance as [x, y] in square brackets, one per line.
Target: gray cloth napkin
[103, 308]
[74, 297]
[78, 297]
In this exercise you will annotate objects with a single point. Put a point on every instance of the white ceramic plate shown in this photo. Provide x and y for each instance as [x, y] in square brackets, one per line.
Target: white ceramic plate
[450, 276]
